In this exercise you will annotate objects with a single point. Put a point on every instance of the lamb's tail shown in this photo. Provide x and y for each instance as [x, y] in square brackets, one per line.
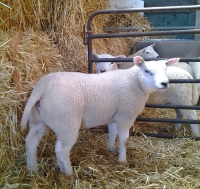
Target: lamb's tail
[33, 99]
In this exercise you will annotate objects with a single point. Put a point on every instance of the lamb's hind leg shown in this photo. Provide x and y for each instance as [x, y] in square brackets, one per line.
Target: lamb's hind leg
[32, 141]
[191, 114]
[66, 139]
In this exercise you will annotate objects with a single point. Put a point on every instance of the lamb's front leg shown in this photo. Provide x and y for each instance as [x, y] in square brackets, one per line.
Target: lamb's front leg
[123, 134]
[191, 114]
[179, 115]
[112, 130]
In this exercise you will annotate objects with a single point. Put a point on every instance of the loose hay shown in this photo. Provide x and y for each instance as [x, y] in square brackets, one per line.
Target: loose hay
[152, 163]
[50, 41]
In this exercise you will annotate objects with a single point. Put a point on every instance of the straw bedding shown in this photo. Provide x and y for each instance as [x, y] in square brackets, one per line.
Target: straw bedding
[39, 37]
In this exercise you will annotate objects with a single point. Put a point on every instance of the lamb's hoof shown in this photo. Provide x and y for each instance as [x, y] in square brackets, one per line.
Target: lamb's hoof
[67, 170]
[67, 173]
[32, 172]
[110, 148]
[124, 161]
[195, 131]
[178, 126]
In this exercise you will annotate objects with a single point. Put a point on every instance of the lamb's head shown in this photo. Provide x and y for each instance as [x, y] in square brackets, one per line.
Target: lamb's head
[106, 66]
[154, 72]
[148, 52]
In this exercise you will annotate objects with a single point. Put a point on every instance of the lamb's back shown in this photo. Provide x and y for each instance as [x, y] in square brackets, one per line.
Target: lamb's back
[96, 96]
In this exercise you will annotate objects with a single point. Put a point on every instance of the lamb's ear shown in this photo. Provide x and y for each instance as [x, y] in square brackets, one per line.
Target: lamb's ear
[94, 55]
[172, 61]
[153, 45]
[138, 61]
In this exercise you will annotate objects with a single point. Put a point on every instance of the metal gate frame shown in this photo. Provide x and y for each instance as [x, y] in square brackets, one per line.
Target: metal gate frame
[89, 36]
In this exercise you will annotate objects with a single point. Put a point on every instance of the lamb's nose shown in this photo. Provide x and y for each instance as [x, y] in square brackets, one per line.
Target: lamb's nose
[102, 71]
[158, 57]
[164, 84]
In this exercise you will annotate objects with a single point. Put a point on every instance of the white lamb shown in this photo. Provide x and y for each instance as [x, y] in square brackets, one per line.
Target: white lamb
[109, 66]
[147, 52]
[185, 66]
[196, 70]
[177, 94]
[68, 101]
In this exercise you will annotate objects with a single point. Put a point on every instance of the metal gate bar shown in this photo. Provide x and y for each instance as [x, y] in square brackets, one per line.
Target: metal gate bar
[163, 120]
[172, 106]
[153, 28]
[167, 136]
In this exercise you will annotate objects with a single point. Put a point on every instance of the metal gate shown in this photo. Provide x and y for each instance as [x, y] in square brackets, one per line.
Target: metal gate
[89, 36]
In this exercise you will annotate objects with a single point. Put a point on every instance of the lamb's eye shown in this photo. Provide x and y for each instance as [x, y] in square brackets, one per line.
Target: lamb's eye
[147, 52]
[147, 71]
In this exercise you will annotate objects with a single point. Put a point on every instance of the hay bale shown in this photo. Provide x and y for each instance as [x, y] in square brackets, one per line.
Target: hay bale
[36, 57]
